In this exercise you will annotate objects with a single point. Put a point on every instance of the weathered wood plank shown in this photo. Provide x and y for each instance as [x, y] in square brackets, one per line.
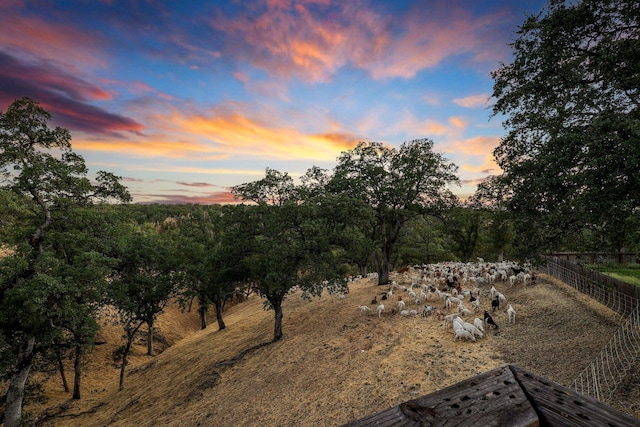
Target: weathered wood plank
[561, 406]
[490, 399]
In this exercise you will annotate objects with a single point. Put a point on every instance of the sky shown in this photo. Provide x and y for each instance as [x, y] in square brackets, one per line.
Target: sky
[185, 99]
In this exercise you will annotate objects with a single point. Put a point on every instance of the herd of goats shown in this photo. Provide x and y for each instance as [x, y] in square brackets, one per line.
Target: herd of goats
[452, 293]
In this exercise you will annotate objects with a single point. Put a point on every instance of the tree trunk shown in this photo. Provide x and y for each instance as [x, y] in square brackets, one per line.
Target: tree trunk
[277, 325]
[363, 269]
[382, 280]
[77, 371]
[218, 305]
[65, 384]
[150, 351]
[501, 255]
[125, 353]
[15, 394]
[202, 310]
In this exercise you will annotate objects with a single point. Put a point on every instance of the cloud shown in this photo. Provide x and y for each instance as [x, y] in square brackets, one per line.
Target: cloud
[228, 132]
[222, 197]
[473, 101]
[33, 37]
[65, 96]
[195, 184]
[313, 40]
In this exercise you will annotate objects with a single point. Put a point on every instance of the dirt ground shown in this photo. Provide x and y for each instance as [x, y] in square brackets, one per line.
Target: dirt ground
[335, 364]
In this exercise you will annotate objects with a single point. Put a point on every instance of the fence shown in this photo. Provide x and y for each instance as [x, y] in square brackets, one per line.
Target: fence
[609, 369]
[619, 296]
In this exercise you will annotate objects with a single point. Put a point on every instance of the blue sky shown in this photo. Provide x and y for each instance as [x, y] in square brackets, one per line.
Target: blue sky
[185, 99]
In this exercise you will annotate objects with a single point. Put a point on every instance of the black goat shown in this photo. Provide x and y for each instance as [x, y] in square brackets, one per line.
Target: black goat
[495, 303]
[488, 320]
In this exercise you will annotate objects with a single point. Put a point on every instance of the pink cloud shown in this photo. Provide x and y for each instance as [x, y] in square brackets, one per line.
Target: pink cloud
[222, 197]
[56, 42]
[195, 184]
[289, 39]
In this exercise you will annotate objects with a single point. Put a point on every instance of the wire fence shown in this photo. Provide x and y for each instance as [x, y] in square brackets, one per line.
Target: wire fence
[619, 296]
[608, 370]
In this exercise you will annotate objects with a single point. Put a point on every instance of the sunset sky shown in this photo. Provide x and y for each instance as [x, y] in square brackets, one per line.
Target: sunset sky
[185, 99]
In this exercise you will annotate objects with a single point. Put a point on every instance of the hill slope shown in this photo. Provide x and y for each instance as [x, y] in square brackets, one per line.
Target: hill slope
[335, 364]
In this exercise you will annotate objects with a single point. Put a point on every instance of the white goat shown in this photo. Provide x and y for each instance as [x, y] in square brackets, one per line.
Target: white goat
[478, 324]
[400, 305]
[380, 309]
[512, 314]
[463, 333]
[472, 329]
[364, 308]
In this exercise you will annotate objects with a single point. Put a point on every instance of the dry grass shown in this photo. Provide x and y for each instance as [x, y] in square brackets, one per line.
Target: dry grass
[334, 364]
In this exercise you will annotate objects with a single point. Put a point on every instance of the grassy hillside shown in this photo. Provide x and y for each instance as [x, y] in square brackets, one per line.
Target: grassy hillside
[335, 364]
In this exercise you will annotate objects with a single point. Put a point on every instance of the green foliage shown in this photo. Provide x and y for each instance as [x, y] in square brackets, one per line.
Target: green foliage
[49, 283]
[289, 240]
[570, 97]
[395, 186]
[211, 256]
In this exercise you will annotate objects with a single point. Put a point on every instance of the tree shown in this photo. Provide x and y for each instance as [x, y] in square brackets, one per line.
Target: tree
[141, 284]
[343, 217]
[211, 255]
[289, 246]
[570, 97]
[490, 198]
[38, 164]
[463, 226]
[397, 185]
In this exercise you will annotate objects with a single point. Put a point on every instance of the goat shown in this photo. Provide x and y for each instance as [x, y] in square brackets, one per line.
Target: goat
[478, 324]
[374, 301]
[472, 329]
[427, 310]
[512, 314]
[380, 309]
[364, 309]
[400, 305]
[488, 320]
[463, 333]
[495, 304]
[450, 318]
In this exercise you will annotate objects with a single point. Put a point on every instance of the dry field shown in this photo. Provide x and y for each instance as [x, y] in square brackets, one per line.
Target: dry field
[333, 365]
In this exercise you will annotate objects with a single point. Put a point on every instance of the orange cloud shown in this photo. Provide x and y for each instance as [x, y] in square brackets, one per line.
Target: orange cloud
[458, 122]
[473, 101]
[224, 133]
[233, 133]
